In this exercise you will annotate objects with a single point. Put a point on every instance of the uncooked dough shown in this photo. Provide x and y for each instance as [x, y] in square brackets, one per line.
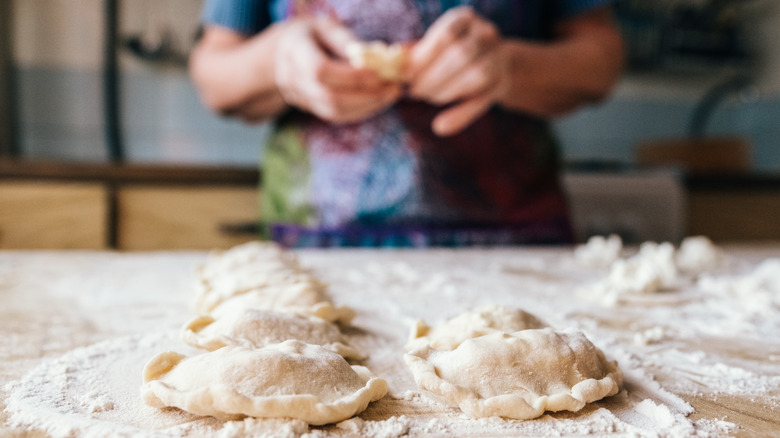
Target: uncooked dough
[654, 268]
[260, 275]
[599, 252]
[254, 328]
[386, 60]
[292, 380]
[698, 254]
[650, 271]
[273, 297]
[468, 325]
[299, 300]
[248, 267]
[517, 375]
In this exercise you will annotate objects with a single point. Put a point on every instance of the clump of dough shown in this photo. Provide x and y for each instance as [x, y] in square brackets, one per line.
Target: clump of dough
[698, 254]
[254, 328]
[599, 251]
[287, 380]
[517, 375]
[648, 272]
[385, 59]
[656, 267]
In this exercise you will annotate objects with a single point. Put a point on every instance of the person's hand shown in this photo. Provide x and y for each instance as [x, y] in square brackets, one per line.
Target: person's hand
[458, 61]
[312, 73]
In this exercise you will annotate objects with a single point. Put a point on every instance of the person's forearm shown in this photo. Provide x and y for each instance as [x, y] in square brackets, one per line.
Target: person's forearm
[235, 76]
[552, 79]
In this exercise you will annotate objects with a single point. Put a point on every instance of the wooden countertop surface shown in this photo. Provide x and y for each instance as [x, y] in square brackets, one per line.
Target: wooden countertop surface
[43, 316]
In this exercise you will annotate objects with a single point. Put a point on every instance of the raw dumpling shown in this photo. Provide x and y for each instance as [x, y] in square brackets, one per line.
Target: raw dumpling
[517, 375]
[223, 288]
[468, 325]
[254, 328]
[255, 253]
[273, 297]
[291, 380]
[251, 266]
[295, 299]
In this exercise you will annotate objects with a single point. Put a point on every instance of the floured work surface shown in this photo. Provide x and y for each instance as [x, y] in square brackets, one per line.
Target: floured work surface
[704, 358]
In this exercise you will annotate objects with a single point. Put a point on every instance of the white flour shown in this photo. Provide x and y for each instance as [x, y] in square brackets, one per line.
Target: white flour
[93, 391]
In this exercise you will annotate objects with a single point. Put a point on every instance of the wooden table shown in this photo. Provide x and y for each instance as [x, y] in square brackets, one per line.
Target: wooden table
[55, 301]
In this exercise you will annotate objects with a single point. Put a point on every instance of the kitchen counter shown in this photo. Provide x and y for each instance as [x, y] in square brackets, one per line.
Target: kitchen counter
[77, 326]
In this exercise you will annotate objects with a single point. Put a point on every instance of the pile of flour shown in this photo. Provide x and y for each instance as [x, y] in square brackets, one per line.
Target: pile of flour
[662, 345]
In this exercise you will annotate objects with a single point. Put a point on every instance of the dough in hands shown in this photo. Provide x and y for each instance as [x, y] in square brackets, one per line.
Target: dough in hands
[386, 60]
[288, 380]
[254, 328]
[517, 375]
[478, 322]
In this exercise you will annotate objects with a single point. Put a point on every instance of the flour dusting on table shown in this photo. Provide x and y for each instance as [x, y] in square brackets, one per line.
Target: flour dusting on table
[671, 345]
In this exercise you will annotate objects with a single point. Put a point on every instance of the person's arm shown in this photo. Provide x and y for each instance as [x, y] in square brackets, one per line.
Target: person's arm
[300, 62]
[233, 76]
[580, 66]
[464, 61]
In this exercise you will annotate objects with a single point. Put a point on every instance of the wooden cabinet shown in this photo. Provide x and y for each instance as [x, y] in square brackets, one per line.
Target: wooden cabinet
[125, 207]
[181, 217]
[734, 207]
[735, 216]
[41, 214]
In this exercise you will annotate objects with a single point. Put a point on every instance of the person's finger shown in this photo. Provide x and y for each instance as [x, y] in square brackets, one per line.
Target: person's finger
[458, 59]
[341, 75]
[303, 56]
[334, 36]
[430, 81]
[455, 119]
[346, 106]
[450, 27]
[471, 82]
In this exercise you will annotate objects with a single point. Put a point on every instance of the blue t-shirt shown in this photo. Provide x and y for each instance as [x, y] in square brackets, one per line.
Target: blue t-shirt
[389, 180]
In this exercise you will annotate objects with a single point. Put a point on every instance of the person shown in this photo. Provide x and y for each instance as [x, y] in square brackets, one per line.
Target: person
[458, 152]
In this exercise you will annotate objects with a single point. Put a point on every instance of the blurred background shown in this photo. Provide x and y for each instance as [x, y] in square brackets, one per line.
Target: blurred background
[94, 95]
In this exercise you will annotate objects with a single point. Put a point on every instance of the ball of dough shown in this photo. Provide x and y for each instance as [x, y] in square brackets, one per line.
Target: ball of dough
[288, 380]
[517, 375]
